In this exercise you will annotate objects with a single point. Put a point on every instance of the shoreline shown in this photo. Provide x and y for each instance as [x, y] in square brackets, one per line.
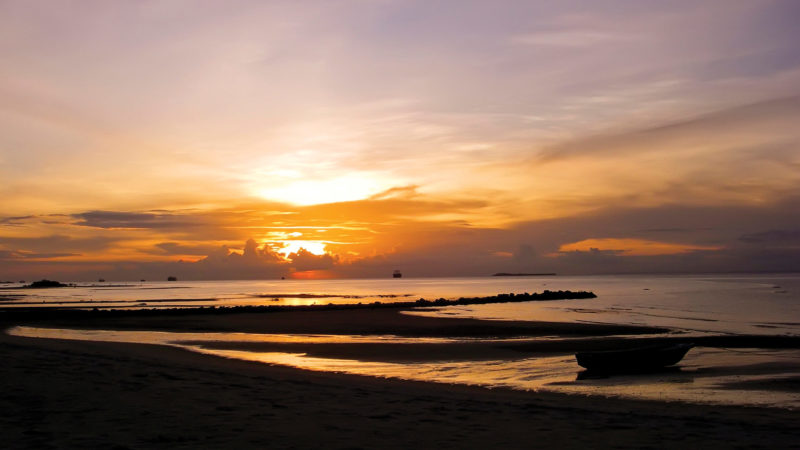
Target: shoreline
[349, 321]
[173, 398]
[390, 319]
[103, 394]
[140, 307]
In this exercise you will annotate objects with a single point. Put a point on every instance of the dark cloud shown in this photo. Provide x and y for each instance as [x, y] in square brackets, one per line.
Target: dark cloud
[671, 230]
[31, 255]
[15, 221]
[304, 260]
[750, 237]
[23, 255]
[58, 243]
[9, 254]
[534, 245]
[773, 237]
[133, 220]
[773, 119]
[253, 262]
[219, 263]
[178, 248]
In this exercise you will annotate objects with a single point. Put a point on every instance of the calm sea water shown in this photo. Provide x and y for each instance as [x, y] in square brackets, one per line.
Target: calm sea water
[759, 304]
[729, 304]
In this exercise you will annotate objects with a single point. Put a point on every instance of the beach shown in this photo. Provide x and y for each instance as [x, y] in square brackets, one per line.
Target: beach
[88, 394]
[399, 224]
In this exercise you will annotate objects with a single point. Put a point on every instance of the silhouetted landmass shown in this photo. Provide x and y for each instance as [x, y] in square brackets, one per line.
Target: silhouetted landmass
[62, 313]
[508, 298]
[172, 279]
[277, 296]
[35, 285]
[45, 284]
[506, 274]
[616, 343]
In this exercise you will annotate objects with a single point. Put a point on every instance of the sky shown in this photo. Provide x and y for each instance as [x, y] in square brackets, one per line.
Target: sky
[251, 139]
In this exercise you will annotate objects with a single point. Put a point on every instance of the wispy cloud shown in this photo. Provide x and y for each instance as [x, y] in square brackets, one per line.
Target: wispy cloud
[442, 135]
[569, 38]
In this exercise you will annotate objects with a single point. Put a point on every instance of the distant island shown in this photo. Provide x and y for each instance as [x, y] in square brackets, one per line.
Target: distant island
[506, 274]
[45, 284]
[58, 313]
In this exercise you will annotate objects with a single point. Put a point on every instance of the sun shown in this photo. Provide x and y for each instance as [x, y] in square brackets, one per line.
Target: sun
[293, 246]
[315, 192]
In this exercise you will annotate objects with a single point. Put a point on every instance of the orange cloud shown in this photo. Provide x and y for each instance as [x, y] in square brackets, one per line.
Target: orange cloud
[371, 238]
[633, 247]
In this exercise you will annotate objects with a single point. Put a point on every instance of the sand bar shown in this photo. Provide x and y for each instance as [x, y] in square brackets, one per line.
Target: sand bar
[71, 394]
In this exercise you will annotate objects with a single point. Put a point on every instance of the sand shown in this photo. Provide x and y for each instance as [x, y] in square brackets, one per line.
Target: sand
[80, 394]
[384, 320]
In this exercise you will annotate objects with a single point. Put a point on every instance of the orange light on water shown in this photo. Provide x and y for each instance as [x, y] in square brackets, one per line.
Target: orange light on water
[312, 275]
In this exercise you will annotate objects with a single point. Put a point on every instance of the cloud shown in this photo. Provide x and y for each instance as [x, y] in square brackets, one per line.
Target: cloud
[462, 134]
[633, 247]
[15, 221]
[91, 104]
[569, 38]
[774, 237]
[23, 255]
[178, 248]
[253, 262]
[304, 260]
[396, 192]
[57, 243]
[731, 128]
[122, 219]
[370, 238]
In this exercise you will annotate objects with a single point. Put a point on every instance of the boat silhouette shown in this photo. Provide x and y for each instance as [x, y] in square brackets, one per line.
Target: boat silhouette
[632, 360]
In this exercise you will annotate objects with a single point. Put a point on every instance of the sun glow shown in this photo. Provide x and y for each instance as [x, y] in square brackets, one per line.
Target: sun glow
[314, 247]
[314, 192]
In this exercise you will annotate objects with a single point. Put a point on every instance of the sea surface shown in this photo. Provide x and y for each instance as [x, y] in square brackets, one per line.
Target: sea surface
[701, 305]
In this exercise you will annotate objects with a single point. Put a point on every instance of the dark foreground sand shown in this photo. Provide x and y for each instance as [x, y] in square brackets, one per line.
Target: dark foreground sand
[72, 394]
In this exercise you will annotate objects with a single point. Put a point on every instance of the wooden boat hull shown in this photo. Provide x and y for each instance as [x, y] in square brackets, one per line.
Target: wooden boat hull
[634, 359]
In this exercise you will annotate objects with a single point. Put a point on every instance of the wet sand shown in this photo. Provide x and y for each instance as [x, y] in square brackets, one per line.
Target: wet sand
[362, 321]
[83, 394]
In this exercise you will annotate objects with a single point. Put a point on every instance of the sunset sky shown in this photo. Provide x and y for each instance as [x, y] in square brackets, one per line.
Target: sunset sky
[259, 139]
